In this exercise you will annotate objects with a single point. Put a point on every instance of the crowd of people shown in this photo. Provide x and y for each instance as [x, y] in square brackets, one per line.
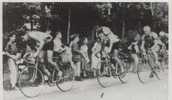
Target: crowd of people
[78, 54]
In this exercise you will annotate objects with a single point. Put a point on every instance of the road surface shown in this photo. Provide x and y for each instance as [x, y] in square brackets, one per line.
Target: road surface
[90, 90]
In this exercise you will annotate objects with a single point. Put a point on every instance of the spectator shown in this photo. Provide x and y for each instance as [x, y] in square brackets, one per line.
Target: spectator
[96, 54]
[13, 54]
[76, 56]
[84, 51]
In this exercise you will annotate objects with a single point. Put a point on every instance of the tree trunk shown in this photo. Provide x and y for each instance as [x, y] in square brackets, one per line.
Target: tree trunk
[123, 29]
[152, 9]
[69, 25]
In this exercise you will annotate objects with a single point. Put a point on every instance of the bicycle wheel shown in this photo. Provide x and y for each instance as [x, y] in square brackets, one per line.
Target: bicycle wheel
[155, 69]
[145, 71]
[121, 71]
[104, 75]
[54, 78]
[30, 81]
[66, 82]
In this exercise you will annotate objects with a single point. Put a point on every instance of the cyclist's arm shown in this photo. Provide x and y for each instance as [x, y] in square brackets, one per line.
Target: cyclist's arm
[39, 48]
[50, 57]
[142, 44]
[157, 41]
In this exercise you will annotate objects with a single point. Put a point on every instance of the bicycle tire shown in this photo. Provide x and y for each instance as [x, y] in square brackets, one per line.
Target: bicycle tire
[66, 82]
[26, 85]
[104, 79]
[121, 74]
[148, 72]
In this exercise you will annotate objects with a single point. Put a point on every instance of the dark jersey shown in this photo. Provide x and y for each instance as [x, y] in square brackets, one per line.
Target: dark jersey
[48, 46]
[123, 46]
[149, 40]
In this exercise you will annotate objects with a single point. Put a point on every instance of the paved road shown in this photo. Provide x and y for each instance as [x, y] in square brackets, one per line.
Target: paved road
[90, 90]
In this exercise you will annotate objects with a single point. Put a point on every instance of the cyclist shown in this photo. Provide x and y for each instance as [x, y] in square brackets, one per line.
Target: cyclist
[164, 38]
[109, 35]
[112, 44]
[38, 41]
[163, 51]
[151, 42]
[55, 48]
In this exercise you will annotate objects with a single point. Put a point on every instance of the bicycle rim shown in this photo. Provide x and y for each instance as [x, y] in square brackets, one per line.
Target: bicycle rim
[104, 76]
[145, 72]
[66, 82]
[30, 82]
[121, 73]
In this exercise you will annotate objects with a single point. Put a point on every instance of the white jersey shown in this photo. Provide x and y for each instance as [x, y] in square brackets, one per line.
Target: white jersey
[57, 44]
[39, 36]
[113, 38]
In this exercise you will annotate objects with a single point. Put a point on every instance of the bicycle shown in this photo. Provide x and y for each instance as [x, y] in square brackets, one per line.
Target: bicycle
[142, 72]
[107, 71]
[31, 79]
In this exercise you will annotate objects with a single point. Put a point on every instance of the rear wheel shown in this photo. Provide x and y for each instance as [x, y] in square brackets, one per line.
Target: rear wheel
[104, 75]
[65, 83]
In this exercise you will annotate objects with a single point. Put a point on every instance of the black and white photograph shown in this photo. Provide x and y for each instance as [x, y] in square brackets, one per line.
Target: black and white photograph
[85, 50]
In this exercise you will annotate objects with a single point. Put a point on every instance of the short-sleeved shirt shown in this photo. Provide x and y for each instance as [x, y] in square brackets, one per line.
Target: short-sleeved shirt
[75, 55]
[11, 48]
[149, 39]
[17, 46]
[164, 39]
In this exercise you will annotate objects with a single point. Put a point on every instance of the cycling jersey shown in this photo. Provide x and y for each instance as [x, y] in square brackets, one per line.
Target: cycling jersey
[149, 40]
[40, 36]
[164, 40]
[122, 46]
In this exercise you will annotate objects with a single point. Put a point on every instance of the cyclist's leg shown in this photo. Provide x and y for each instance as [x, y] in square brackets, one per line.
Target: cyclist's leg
[153, 62]
[42, 56]
[115, 54]
[135, 62]
[13, 72]
[156, 58]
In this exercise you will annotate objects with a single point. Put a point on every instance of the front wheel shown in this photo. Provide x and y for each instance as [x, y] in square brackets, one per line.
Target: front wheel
[30, 81]
[146, 71]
